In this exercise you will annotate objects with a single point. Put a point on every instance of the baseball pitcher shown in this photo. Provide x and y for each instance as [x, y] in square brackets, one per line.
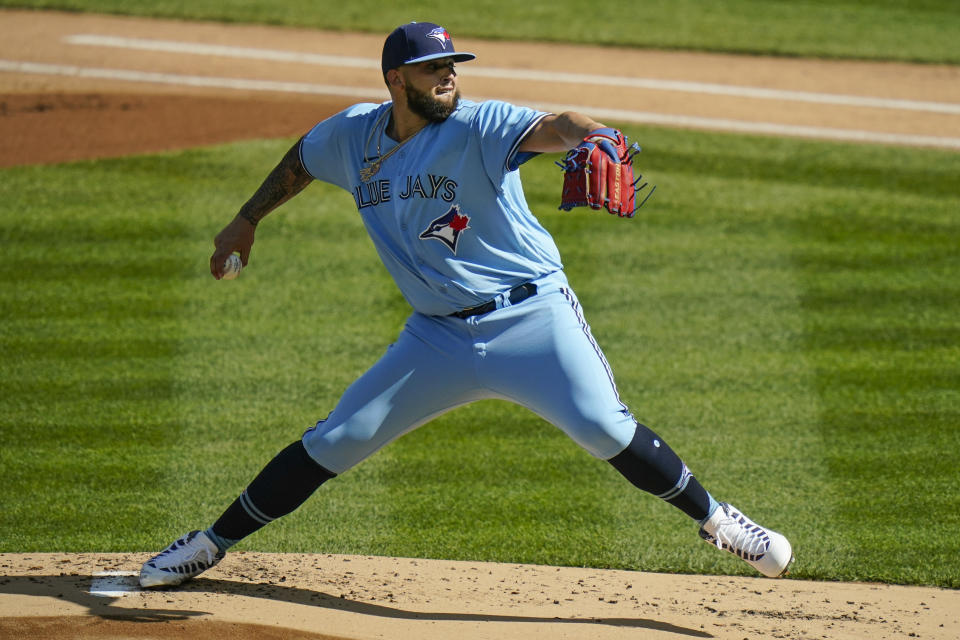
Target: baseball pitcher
[435, 180]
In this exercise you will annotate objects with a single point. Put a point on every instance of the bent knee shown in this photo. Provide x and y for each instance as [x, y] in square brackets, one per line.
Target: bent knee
[602, 438]
[340, 447]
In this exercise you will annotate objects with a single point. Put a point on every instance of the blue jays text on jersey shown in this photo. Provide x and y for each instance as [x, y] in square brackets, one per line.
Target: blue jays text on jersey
[445, 210]
[375, 192]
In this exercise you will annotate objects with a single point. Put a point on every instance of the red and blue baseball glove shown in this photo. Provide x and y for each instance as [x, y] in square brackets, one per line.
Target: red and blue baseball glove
[598, 173]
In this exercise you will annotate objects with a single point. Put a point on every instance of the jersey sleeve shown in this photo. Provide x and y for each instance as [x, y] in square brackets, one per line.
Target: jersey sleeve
[501, 127]
[329, 150]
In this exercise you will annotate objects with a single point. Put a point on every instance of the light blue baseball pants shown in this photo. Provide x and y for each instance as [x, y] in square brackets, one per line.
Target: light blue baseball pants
[538, 353]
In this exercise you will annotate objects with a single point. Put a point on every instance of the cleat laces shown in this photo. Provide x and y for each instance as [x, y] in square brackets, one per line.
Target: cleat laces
[738, 534]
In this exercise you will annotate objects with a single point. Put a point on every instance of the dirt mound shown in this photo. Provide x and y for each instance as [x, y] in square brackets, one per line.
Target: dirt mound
[42, 128]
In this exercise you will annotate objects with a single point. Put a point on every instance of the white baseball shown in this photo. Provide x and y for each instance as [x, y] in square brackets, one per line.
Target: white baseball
[231, 268]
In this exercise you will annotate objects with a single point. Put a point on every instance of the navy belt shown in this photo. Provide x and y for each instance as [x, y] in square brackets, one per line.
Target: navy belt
[516, 295]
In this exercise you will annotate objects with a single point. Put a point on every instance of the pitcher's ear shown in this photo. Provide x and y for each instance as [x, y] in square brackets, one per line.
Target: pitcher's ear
[394, 78]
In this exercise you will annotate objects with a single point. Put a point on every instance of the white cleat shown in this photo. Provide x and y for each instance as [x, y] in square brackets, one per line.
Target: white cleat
[186, 558]
[766, 551]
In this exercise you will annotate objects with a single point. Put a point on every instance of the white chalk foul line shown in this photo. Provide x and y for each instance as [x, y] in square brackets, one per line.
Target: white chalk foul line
[197, 48]
[620, 115]
[190, 80]
[114, 584]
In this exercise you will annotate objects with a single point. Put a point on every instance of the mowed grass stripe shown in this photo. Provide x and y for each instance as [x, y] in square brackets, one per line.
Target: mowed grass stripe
[90, 305]
[881, 307]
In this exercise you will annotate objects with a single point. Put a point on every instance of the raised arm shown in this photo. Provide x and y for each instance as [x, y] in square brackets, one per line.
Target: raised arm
[598, 168]
[559, 133]
[286, 180]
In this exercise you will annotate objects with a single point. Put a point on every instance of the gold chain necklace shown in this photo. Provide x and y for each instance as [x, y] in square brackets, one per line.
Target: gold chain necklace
[373, 166]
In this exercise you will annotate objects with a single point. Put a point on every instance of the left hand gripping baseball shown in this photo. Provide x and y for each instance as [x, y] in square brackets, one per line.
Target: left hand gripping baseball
[598, 173]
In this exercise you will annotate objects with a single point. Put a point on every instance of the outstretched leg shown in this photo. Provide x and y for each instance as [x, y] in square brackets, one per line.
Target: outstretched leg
[414, 381]
[650, 464]
[282, 486]
[573, 387]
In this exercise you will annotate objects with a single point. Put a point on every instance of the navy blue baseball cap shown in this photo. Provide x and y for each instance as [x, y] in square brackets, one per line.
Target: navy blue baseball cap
[419, 42]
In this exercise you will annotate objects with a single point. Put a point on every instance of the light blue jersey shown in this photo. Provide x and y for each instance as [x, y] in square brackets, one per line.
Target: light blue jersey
[446, 210]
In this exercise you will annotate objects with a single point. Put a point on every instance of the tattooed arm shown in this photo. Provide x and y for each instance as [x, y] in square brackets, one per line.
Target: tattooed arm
[285, 181]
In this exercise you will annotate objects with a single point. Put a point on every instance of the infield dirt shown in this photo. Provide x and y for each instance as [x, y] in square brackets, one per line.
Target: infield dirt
[47, 118]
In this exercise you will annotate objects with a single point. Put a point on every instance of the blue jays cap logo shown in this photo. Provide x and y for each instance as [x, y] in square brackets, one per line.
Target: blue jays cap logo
[447, 228]
[440, 35]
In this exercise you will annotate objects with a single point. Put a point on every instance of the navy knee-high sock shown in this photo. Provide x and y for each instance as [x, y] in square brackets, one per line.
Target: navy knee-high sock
[282, 486]
[650, 464]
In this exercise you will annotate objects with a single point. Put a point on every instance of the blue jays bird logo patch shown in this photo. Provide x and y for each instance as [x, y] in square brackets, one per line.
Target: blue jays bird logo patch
[440, 35]
[447, 228]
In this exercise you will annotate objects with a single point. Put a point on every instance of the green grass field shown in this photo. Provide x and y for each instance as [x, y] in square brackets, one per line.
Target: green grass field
[919, 30]
[783, 312]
